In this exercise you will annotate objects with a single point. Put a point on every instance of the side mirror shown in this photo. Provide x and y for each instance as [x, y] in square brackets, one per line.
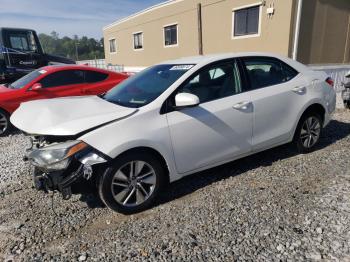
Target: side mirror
[36, 86]
[186, 100]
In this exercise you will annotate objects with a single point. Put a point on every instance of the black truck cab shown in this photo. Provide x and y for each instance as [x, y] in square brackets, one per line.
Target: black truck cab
[21, 53]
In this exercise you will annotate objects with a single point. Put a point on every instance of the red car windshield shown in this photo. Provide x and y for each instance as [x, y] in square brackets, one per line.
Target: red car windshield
[23, 81]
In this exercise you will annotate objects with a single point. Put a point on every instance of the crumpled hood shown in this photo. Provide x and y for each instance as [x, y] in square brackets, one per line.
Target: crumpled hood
[66, 116]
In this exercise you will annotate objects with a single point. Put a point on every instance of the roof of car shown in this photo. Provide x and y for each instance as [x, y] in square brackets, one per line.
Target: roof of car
[214, 57]
[206, 59]
[52, 68]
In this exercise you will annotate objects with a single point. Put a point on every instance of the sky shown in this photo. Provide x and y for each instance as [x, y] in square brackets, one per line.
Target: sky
[68, 17]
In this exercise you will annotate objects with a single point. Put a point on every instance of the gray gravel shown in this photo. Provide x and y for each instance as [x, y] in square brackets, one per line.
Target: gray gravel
[277, 205]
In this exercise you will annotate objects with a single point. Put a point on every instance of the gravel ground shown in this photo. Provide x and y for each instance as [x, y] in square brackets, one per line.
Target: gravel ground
[277, 205]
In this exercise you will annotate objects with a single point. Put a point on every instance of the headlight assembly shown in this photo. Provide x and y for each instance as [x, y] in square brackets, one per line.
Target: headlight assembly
[57, 156]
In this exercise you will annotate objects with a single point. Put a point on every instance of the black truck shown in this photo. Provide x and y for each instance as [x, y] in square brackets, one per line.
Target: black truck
[21, 52]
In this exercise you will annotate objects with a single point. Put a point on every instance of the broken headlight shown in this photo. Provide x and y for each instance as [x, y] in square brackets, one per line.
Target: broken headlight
[57, 156]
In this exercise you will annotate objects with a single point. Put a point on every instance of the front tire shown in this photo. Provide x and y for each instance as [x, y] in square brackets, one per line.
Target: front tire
[132, 183]
[308, 132]
[5, 124]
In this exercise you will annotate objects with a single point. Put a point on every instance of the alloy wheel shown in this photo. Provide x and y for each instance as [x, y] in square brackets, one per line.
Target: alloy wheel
[310, 132]
[133, 183]
[3, 123]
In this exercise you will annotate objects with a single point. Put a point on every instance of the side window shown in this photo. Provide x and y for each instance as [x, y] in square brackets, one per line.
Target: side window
[62, 78]
[214, 82]
[265, 71]
[93, 77]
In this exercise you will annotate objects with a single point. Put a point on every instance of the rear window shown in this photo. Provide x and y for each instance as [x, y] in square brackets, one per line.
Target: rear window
[267, 71]
[93, 77]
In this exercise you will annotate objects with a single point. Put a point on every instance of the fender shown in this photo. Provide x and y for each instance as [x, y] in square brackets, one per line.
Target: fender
[314, 101]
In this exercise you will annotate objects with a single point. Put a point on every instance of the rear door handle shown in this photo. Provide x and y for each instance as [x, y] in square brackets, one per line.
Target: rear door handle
[242, 105]
[299, 89]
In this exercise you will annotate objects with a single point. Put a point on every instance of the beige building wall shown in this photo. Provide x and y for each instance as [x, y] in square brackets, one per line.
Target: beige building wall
[274, 30]
[325, 32]
[183, 13]
[274, 35]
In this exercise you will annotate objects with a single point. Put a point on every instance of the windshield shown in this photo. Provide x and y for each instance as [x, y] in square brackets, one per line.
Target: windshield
[146, 86]
[23, 81]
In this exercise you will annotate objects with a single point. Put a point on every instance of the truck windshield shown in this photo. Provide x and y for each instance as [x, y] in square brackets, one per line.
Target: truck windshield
[146, 86]
[23, 81]
[23, 41]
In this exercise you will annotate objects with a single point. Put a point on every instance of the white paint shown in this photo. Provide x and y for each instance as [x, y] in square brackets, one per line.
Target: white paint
[189, 139]
[66, 116]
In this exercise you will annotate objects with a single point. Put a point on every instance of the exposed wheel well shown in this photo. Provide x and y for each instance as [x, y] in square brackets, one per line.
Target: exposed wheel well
[315, 108]
[155, 153]
[1, 109]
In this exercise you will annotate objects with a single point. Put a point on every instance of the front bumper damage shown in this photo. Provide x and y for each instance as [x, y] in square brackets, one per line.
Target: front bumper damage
[78, 177]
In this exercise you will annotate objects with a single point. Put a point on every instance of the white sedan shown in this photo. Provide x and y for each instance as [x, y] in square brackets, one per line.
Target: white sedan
[171, 120]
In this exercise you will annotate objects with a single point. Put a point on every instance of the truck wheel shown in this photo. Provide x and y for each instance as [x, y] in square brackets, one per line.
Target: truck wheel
[132, 183]
[5, 125]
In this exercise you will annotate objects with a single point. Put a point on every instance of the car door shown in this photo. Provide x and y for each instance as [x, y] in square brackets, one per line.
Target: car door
[220, 127]
[62, 83]
[278, 95]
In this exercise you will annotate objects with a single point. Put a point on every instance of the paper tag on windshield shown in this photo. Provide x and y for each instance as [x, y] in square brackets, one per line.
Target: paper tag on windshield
[181, 67]
[42, 72]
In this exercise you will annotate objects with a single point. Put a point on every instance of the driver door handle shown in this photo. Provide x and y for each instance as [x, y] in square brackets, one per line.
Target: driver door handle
[242, 105]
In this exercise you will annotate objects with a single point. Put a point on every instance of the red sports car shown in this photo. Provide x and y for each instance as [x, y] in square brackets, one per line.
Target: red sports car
[51, 82]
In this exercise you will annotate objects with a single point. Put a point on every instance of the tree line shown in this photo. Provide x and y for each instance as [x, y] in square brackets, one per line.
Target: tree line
[76, 48]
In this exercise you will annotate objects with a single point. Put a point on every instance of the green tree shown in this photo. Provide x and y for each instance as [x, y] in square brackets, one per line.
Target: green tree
[86, 48]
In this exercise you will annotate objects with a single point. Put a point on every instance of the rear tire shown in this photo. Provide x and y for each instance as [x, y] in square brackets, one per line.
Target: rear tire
[132, 183]
[308, 132]
[5, 124]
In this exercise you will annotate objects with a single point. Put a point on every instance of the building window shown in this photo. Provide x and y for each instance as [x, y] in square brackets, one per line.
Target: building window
[138, 40]
[246, 21]
[170, 35]
[112, 46]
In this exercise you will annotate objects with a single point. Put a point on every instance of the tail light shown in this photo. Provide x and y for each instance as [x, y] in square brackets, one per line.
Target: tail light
[330, 81]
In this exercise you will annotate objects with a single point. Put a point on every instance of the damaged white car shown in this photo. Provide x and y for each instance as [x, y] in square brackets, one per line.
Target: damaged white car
[172, 120]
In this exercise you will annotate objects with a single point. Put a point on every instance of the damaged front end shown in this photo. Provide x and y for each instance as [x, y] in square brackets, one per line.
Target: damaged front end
[63, 164]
